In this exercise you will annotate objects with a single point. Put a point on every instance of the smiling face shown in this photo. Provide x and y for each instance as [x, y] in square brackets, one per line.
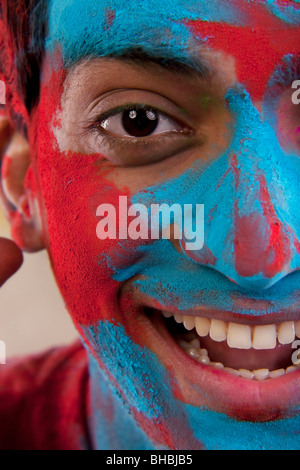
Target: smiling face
[200, 113]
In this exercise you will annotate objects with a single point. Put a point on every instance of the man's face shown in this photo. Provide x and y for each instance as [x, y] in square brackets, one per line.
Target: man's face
[179, 103]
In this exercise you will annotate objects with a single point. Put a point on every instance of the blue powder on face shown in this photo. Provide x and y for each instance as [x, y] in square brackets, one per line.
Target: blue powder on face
[100, 28]
[219, 432]
[116, 429]
[289, 14]
[168, 275]
[129, 364]
[95, 28]
[143, 378]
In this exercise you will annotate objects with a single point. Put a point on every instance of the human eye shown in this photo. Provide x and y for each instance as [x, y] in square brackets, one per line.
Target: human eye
[138, 121]
[139, 133]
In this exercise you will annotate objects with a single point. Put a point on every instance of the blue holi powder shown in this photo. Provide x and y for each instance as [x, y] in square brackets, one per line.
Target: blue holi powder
[289, 14]
[219, 432]
[129, 364]
[100, 28]
[168, 275]
[116, 430]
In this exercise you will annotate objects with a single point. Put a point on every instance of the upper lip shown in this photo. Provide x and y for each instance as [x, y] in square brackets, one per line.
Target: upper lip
[242, 317]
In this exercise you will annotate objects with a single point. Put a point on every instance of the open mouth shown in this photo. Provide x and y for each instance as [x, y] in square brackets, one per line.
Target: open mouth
[260, 352]
[244, 366]
[252, 352]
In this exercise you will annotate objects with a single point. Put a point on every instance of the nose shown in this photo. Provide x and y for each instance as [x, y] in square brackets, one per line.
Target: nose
[250, 224]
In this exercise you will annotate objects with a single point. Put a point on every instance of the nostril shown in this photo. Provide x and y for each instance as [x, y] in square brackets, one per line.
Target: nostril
[204, 256]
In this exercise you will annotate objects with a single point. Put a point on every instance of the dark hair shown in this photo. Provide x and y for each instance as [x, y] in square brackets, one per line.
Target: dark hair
[23, 39]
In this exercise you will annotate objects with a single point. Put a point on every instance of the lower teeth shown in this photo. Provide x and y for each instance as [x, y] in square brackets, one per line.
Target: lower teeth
[192, 348]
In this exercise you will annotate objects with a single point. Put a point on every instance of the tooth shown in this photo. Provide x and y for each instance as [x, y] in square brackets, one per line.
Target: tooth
[195, 343]
[184, 345]
[204, 360]
[202, 326]
[203, 352]
[178, 318]
[189, 322]
[217, 365]
[239, 336]
[193, 353]
[167, 314]
[246, 374]
[297, 329]
[232, 371]
[264, 337]
[291, 369]
[261, 374]
[286, 332]
[218, 330]
[277, 373]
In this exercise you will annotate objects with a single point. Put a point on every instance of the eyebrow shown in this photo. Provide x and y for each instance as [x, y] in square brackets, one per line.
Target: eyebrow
[192, 67]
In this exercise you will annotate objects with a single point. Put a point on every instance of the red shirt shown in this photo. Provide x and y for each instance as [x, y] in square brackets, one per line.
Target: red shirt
[44, 401]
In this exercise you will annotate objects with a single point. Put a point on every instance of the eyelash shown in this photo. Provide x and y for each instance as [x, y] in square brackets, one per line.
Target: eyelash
[96, 127]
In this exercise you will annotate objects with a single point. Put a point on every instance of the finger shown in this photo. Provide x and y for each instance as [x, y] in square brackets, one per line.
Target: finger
[6, 133]
[11, 258]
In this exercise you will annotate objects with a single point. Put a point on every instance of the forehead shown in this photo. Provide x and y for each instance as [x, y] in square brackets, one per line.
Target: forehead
[258, 34]
[105, 27]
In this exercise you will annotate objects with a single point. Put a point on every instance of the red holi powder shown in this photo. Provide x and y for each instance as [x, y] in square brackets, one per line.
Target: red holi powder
[8, 74]
[279, 250]
[262, 245]
[174, 429]
[110, 16]
[257, 48]
[71, 188]
[288, 3]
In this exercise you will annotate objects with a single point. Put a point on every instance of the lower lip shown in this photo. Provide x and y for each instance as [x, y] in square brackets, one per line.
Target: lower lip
[206, 386]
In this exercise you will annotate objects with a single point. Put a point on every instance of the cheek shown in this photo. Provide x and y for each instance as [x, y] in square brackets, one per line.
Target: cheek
[71, 188]
[85, 267]
[72, 192]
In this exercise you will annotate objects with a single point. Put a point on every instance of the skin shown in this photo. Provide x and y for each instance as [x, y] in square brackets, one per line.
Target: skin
[231, 143]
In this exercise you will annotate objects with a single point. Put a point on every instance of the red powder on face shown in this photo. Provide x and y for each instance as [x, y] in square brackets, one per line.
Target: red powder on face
[268, 250]
[288, 3]
[109, 18]
[71, 188]
[8, 74]
[257, 48]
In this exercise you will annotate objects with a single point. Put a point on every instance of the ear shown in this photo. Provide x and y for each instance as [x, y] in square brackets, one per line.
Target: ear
[18, 199]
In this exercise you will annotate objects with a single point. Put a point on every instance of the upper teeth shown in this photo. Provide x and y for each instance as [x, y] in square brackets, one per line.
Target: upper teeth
[241, 336]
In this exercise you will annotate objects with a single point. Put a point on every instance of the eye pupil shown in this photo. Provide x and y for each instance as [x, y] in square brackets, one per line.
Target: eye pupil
[140, 122]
